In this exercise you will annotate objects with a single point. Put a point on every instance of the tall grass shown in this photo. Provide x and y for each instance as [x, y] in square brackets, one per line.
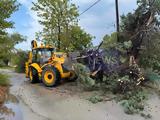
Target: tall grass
[4, 80]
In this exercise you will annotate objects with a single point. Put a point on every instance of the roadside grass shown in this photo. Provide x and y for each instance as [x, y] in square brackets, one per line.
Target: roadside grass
[4, 80]
[8, 67]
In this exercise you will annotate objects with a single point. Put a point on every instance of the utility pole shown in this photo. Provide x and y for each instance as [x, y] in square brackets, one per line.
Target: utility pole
[117, 18]
[117, 15]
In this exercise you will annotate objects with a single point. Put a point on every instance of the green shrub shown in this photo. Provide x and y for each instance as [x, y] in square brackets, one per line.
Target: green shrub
[152, 75]
[110, 82]
[149, 56]
[146, 116]
[153, 78]
[133, 101]
[84, 79]
[2, 64]
[150, 61]
[4, 80]
[19, 60]
[95, 99]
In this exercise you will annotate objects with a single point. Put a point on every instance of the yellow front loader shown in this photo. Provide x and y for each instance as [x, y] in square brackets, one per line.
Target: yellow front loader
[47, 66]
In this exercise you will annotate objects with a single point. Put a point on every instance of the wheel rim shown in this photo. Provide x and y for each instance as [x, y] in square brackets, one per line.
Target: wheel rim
[49, 77]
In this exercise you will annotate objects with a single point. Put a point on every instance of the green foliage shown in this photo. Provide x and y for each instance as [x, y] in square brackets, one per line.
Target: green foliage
[8, 46]
[132, 21]
[95, 99]
[140, 25]
[149, 56]
[152, 75]
[4, 80]
[147, 3]
[111, 42]
[7, 42]
[125, 78]
[2, 64]
[78, 39]
[146, 116]
[19, 60]
[84, 79]
[133, 101]
[56, 17]
[110, 82]
[59, 18]
[7, 8]
[125, 84]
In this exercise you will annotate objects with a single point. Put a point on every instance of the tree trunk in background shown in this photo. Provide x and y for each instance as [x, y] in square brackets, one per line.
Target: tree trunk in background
[59, 36]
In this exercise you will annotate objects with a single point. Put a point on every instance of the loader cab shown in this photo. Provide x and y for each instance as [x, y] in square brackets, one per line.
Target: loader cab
[42, 55]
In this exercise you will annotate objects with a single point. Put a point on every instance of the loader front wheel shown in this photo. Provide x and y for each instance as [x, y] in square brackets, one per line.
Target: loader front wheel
[33, 75]
[49, 77]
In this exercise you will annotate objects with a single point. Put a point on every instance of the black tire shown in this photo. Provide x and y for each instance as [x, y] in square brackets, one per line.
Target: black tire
[73, 76]
[33, 75]
[50, 76]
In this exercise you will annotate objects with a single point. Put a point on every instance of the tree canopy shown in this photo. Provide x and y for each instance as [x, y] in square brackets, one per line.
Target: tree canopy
[78, 39]
[8, 41]
[7, 8]
[56, 16]
[8, 46]
[60, 24]
[140, 25]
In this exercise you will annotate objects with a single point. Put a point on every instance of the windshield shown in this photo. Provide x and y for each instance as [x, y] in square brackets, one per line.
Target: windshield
[45, 55]
[42, 55]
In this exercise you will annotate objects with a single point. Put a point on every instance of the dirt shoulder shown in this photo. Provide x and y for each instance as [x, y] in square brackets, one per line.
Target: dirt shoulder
[3, 94]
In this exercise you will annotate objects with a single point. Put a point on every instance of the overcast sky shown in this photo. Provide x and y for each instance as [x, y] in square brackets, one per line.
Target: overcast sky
[98, 21]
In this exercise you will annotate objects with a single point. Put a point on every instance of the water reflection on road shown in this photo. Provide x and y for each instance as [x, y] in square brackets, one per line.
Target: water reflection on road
[10, 110]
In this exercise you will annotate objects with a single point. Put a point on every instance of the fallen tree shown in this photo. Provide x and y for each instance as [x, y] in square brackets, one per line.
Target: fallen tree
[116, 64]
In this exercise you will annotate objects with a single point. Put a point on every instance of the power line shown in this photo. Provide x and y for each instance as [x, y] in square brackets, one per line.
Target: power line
[90, 7]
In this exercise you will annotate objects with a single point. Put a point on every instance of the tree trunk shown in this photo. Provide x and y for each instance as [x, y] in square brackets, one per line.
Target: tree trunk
[59, 36]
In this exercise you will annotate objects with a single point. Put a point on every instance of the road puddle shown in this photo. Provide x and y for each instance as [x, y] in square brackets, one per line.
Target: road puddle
[10, 110]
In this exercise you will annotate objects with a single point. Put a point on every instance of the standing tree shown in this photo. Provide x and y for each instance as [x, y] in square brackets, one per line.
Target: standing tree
[78, 39]
[7, 8]
[59, 19]
[142, 24]
[56, 17]
[10, 41]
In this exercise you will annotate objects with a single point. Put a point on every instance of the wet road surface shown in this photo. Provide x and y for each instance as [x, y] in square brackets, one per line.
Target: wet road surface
[35, 102]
